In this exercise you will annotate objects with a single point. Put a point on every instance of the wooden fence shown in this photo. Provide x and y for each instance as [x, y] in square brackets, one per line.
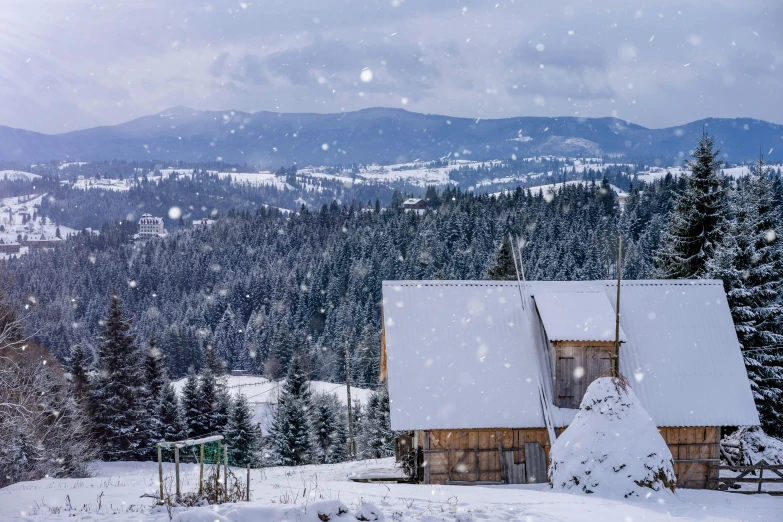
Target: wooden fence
[774, 476]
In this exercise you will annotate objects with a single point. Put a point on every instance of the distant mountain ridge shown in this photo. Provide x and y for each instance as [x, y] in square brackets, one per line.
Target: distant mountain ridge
[381, 135]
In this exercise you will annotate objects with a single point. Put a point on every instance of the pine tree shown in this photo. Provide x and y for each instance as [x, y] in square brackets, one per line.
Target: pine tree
[228, 339]
[504, 269]
[155, 383]
[170, 415]
[80, 380]
[191, 409]
[211, 419]
[749, 261]
[695, 225]
[329, 429]
[242, 435]
[118, 415]
[289, 438]
[377, 436]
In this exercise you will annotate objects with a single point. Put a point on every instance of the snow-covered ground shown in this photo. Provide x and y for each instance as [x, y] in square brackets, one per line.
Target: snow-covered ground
[262, 394]
[12, 213]
[119, 185]
[553, 187]
[14, 175]
[115, 493]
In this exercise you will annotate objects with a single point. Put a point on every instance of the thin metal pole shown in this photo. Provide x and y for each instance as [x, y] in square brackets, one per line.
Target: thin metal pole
[352, 449]
[617, 311]
[516, 268]
[247, 495]
[176, 467]
[201, 471]
[160, 473]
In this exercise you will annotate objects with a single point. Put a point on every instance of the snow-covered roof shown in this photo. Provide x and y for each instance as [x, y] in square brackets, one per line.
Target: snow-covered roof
[577, 316]
[466, 354]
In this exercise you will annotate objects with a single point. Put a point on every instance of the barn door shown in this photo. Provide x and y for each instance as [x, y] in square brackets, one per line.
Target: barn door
[535, 463]
[566, 384]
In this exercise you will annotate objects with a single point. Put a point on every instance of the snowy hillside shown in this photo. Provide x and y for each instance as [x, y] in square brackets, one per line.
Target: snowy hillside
[262, 393]
[14, 175]
[16, 219]
[125, 492]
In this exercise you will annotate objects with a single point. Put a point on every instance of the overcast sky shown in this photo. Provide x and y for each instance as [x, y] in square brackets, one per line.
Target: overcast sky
[70, 64]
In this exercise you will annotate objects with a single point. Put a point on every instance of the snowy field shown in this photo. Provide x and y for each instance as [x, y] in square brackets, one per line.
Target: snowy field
[16, 175]
[11, 218]
[116, 492]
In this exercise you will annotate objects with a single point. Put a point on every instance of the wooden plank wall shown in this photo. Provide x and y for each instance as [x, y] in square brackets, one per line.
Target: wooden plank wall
[452, 454]
[693, 444]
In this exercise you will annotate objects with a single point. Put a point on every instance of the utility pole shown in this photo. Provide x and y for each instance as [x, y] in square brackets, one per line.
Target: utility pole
[617, 310]
[352, 442]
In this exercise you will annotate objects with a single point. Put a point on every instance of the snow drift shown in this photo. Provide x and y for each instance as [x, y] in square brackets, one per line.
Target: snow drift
[323, 511]
[612, 448]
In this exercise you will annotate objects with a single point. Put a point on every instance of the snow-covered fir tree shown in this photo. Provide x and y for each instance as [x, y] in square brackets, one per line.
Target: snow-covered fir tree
[329, 428]
[191, 407]
[696, 224]
[290, 436]
[504, 269]
[377, 439]
[749, 261]
[242, 434]
[228, 339]
[79, 365]
[118, 416]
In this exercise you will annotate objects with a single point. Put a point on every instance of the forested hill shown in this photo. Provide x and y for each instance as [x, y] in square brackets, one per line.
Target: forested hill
[260, 286]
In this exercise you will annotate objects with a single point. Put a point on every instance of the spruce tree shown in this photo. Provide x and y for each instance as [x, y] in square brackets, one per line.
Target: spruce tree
[289, 438]
[377, 436]
[80, 364]
[695, 225]
[749, 261]
[191, 410]
[118, 415]
[242, 435]
[155, 381]
[329, 428]
[504, 269]
[170, 415]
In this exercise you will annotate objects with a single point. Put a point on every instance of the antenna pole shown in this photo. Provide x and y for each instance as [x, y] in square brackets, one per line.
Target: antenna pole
[516, 268]
[617, 310]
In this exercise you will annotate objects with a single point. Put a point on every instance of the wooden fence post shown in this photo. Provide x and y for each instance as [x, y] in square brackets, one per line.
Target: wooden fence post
[201, 471]
[160, 473]
[225, 469]
[176, 468]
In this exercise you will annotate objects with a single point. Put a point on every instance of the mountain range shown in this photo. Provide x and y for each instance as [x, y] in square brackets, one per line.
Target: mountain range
[381, 135]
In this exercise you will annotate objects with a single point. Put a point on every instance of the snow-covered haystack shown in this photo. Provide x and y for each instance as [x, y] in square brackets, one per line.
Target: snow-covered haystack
[612, 448]
[749, 445]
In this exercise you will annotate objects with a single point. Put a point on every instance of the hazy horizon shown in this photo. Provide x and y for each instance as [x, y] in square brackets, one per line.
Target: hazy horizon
[231, 110]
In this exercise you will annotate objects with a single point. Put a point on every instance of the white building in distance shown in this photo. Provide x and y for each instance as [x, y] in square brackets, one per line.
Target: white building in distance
[150, 227]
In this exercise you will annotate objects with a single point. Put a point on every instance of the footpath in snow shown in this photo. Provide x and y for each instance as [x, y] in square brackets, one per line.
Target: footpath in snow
[124, 491]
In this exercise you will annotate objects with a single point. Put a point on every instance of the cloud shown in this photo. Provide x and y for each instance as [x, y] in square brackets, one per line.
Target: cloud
[472, 58]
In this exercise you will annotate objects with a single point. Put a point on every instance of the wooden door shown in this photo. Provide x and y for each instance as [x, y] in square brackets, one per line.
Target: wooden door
[566, 382]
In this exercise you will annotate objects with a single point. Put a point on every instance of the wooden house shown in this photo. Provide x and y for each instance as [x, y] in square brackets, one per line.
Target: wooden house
[43, 242]
[415, 205]
[12, 247]
[484, 375]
